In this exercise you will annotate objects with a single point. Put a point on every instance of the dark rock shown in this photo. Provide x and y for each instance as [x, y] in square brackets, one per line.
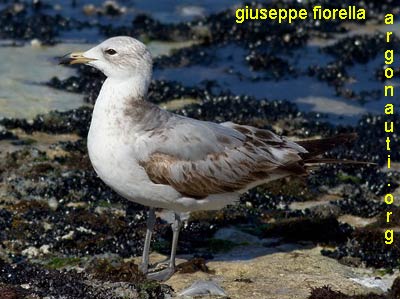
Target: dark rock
[193, 265]
[326, 292]
[360, 48]
[66, 284]
[274, 67]
[74, 121]
[319, 230]
[6, 135]
[146, 27]
[369, 246]
[17, 21]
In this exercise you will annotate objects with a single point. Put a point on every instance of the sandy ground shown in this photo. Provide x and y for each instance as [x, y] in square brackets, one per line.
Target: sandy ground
[260, 272]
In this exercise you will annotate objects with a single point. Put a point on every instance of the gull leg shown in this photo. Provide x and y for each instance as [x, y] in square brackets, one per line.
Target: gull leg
[176, 227]
[168, 272]
[151, 221]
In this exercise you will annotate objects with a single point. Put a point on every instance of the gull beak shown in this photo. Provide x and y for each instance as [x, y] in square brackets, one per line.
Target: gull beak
[75, 58]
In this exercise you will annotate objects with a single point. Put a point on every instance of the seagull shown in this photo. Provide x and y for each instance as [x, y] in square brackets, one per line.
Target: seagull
[163, 160]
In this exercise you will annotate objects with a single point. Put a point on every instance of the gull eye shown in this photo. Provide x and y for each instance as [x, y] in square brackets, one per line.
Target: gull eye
[111, 51]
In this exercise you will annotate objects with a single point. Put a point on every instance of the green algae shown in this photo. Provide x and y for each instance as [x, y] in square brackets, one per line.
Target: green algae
[62, 262]
[346, 178]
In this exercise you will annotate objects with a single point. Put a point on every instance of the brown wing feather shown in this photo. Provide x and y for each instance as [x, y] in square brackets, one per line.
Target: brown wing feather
[262, 156]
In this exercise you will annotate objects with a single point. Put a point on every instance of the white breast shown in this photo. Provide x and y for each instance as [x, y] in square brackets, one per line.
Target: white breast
[111, 150]
[110, 153]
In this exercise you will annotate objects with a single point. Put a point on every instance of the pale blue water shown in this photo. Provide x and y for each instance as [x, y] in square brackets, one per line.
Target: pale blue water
[228, 67]
[231, 73]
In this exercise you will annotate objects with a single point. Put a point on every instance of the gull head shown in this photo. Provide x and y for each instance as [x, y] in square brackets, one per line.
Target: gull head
[117, 57]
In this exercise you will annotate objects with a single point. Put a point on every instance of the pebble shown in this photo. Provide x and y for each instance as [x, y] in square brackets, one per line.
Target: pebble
[203, 287]
[31, 252]
[53, 204]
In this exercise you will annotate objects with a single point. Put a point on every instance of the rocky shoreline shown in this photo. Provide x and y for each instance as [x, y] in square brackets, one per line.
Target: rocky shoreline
[64, 234]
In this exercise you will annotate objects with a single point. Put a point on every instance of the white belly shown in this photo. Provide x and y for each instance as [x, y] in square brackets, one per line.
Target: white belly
[113, 159]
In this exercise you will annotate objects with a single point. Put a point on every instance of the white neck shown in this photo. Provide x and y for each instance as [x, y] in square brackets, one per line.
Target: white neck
[134, 87]
[118, 98]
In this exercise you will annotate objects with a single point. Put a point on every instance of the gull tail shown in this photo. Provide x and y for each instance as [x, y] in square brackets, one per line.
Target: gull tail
[336, 161]
[320, 146]
[316, 147]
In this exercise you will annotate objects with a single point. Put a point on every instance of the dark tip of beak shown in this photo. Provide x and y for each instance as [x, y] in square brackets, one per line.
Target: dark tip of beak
[65, 60]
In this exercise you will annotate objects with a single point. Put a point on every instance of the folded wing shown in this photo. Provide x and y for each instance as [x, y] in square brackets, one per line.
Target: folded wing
[214, 158]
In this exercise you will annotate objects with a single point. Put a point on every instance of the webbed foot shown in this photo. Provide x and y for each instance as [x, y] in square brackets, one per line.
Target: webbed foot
[161, 275]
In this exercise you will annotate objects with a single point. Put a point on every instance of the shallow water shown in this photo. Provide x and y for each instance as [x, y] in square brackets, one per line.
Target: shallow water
[23, 95]
[231, 73]
[22, 90]
[22, 72]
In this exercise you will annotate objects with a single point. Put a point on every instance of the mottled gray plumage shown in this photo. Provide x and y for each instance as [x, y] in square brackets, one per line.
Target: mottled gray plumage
[163, 160]
[217, 158]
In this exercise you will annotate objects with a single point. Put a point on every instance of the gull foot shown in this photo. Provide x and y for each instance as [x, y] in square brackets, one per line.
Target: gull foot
[161, 265]
[161, 275]
[144, 268]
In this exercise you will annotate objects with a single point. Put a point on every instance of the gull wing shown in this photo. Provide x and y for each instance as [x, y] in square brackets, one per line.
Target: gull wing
[201, 158]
